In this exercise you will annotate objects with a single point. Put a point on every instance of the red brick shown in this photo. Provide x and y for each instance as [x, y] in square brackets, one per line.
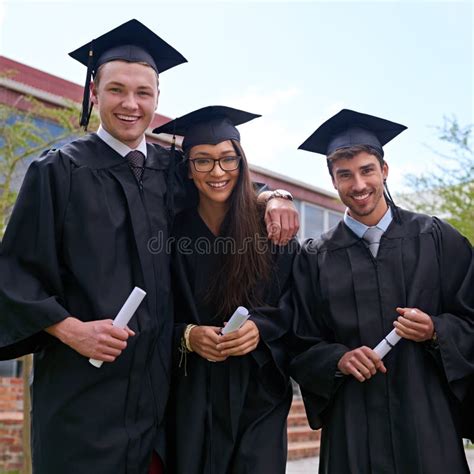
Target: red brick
[16, 449]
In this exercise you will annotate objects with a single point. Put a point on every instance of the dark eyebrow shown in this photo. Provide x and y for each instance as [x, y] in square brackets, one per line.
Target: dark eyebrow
[366, 167]
[224, 154]
[340, 171]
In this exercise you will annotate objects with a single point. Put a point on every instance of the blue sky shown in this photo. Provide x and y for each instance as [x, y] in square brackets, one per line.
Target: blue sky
[296, 63]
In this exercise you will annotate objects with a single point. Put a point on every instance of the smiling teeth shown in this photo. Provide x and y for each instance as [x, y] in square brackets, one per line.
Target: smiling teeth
[361, 197]
[217, 185]
[128, 118]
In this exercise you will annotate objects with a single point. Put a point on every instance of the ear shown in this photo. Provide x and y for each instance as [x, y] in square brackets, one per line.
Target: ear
[93, 93]
[385, 171]
[157, 98]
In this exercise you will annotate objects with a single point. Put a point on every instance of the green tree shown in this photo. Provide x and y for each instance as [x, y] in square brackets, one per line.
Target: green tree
[23, 136]
[448, 189]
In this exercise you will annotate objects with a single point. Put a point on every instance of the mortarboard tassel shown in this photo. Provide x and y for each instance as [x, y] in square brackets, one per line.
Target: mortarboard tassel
[391, 203]
[86, 105]
[170, 182]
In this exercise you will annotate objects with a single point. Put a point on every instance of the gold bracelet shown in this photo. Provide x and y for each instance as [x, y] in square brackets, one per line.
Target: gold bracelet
[186, 337]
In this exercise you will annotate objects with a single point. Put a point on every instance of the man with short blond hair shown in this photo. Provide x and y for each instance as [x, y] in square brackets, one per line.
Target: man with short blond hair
[76, 245]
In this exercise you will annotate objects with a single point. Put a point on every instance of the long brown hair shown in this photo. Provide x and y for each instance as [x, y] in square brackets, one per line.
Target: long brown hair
[242, 274]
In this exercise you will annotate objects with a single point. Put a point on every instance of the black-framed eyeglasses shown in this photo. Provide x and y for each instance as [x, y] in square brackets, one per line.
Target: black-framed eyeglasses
[205, 165]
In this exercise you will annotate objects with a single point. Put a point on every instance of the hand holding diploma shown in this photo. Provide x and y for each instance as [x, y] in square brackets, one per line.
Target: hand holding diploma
[414, 324]
[124, 315]
[206, 340]
[239, 336]
[237, 320]
[97, 339]
[203, 341]
[362, 363]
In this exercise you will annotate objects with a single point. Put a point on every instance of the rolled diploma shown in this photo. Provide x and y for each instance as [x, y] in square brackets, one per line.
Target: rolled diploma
[125, 314]
[241, 314]
[386, 344]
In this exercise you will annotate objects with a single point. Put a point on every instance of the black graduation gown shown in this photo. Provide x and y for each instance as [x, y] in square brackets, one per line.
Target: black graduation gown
[81, 236]
[406, 421]
[226, 417]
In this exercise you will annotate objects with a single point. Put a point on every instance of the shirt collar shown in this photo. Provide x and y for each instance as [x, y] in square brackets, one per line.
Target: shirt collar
[359, 229]
[117, 145]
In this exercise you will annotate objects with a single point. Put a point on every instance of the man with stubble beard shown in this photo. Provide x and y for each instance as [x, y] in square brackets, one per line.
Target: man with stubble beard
[382, 268]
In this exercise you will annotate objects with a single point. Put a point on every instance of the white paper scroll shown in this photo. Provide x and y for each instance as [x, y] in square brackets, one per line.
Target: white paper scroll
[125, 314]
[237, 320]
[387, 343]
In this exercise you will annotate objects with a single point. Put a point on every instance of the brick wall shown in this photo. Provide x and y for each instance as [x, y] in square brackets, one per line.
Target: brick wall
[11, 423]
[303, 442]
[11, 394]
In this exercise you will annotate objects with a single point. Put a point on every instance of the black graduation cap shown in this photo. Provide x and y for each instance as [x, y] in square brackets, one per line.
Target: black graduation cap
[348, 128]
[132, 42]
[209, 125]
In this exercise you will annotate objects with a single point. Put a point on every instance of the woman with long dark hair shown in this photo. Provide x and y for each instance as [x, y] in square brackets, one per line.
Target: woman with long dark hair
[230, 393]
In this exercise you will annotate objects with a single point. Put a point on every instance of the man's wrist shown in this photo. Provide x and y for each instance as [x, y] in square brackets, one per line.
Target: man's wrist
[62, 329]
[280, 194]
[434, 337]
[433, 343]
[434, 340]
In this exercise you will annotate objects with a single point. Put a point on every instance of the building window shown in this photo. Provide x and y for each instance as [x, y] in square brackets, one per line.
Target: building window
[315, 220]
[10, 368]
[334, 219]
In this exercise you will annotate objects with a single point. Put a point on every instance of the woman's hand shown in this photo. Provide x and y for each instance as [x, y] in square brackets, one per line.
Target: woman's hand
[240, 342]
[203, 340]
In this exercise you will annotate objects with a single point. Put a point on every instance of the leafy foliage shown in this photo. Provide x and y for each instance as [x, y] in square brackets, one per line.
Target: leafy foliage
[448, 189]
[24, 135]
